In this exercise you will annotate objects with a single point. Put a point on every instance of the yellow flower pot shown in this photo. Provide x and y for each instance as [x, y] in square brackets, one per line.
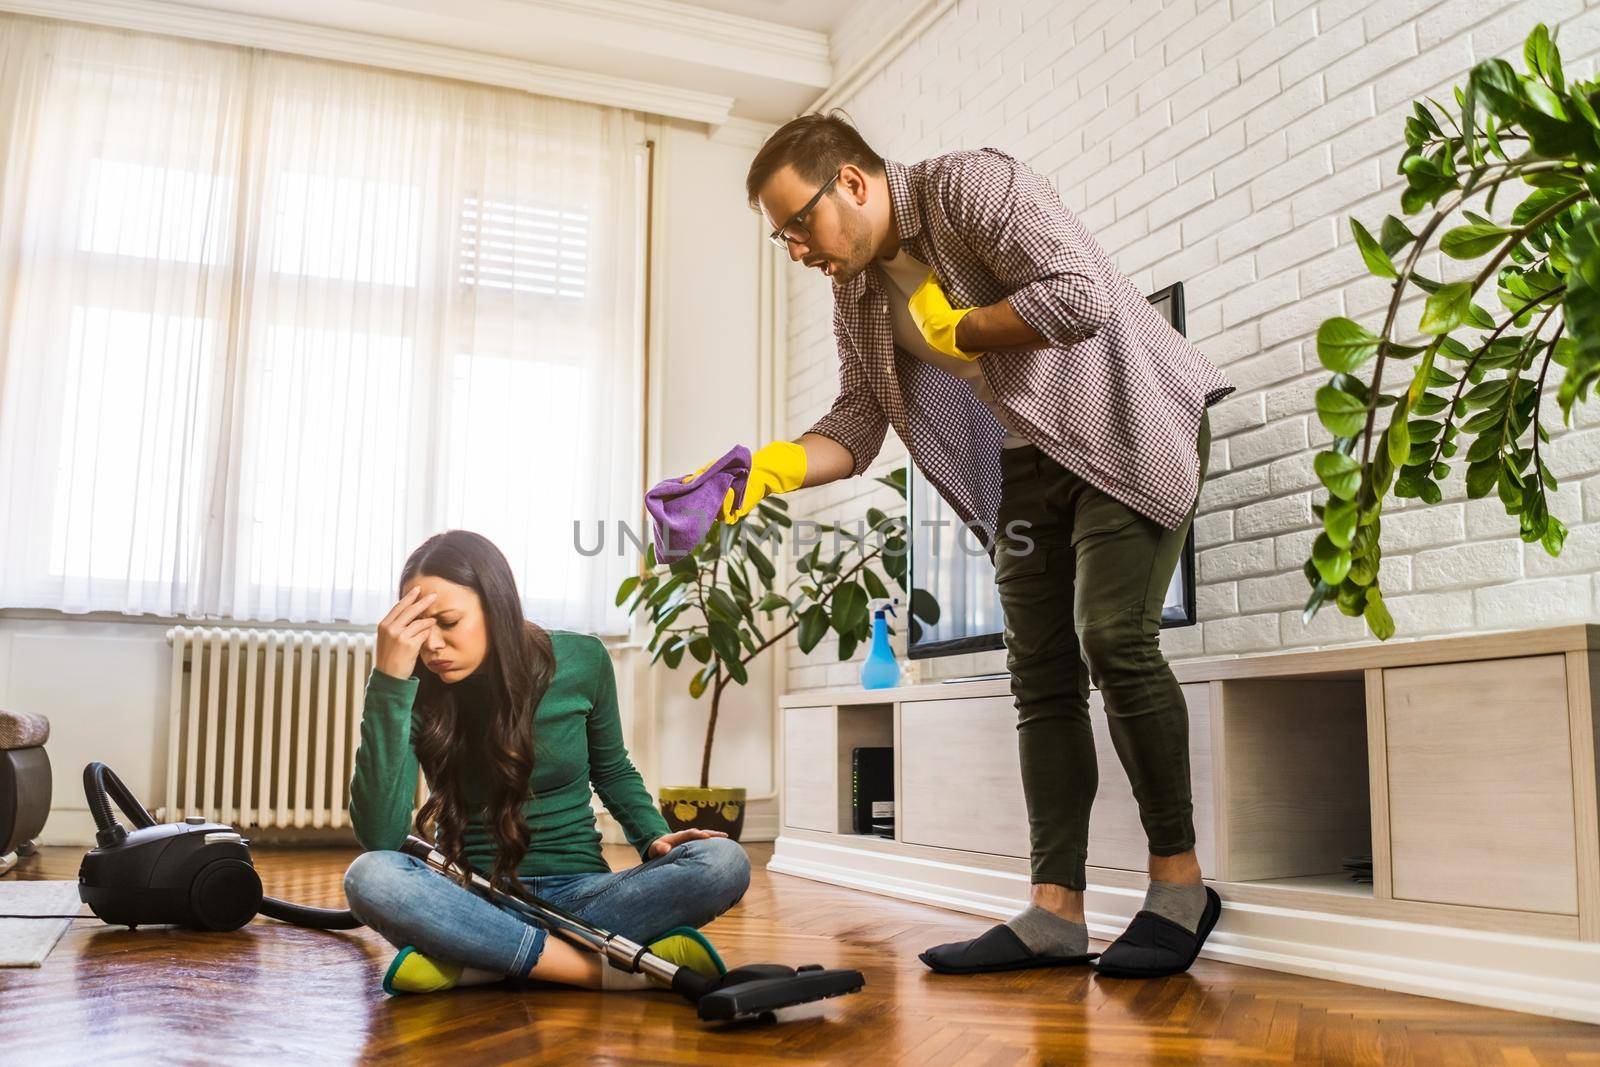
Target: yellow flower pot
[689, 808]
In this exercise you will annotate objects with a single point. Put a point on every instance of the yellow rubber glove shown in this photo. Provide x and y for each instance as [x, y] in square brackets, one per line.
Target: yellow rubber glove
[931, 311]
[777, 468]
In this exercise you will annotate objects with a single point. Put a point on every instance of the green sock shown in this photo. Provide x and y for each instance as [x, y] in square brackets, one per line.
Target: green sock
[413, 972]
[688, 947]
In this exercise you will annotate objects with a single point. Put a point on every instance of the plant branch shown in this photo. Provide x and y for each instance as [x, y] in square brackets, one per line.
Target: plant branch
[1538, 405]
[865, 559]
[1461, 383]
[1376, 389]
[1516, 374]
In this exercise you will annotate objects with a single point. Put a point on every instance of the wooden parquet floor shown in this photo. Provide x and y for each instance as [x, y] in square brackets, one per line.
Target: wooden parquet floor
[271, 994]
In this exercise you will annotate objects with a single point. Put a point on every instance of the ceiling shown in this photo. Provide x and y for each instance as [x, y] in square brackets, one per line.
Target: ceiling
[770, 57]
[818, 15]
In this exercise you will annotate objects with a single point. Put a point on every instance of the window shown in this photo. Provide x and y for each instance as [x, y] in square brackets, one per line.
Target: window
[278, 320]
[524, 248]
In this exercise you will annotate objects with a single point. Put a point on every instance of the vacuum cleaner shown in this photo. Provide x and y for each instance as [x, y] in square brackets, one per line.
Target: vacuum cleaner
[753, 991]
[193, 873]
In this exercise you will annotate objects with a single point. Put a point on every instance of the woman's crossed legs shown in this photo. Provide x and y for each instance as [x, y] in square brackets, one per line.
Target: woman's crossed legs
[410, 904]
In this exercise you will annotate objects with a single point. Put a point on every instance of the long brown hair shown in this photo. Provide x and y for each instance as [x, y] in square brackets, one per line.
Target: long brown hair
[517, 668]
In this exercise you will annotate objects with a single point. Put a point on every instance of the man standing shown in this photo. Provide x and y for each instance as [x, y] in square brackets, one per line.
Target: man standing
[1053, 407]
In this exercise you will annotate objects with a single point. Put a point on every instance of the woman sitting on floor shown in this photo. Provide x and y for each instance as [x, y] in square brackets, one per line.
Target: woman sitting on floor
[497, 692]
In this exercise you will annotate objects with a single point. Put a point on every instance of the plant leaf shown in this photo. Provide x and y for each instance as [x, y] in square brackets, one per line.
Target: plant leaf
[1343, 414]
[1446, 308]
[874, 584]
[1430, 404]
[1331, 562]
[721, 605]
[770, 512]
[1379, 621]
[1394, 235]
[1555, 536]
[764, 566]
[1398, 438]
[1344, 344]
[813, 624]
[1470, 242]
[1482, 476]
[725, 640]
[1372, 253]
[1339, 520]
[697, 684]
[849, 606]
[1341, 474]
[1498, 86]
[1487, 393]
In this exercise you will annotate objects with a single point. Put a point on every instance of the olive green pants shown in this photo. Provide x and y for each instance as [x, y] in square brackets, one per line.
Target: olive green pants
[1083, 605]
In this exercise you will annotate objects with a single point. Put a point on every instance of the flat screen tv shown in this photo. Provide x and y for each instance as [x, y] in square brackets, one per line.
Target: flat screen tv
[947, 561]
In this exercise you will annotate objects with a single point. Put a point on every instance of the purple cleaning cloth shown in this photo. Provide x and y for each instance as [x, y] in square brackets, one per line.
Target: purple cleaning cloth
[681, 513]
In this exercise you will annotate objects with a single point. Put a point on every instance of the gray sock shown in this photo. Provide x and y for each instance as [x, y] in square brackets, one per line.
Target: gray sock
[1048, 934]
[1183, 904]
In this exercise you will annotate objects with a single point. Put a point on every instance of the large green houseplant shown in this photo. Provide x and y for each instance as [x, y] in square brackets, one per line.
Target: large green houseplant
[1473, 383]
[720, 607]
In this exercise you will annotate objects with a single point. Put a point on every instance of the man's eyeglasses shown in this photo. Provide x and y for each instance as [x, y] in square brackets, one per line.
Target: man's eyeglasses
[795, 230]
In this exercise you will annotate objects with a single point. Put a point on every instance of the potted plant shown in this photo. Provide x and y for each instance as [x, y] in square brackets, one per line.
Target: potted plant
[1476, 381]
[719, 606]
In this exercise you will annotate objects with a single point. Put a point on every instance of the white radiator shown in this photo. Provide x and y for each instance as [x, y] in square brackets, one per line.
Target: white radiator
[264, 725]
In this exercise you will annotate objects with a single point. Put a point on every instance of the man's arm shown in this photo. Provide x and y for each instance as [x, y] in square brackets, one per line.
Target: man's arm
[996, 326]
[826, 460]
[845, 441]
[1014, 221]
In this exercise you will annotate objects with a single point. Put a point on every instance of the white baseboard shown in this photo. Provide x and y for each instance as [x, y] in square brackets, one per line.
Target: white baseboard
[1545, 976]
[760, 820]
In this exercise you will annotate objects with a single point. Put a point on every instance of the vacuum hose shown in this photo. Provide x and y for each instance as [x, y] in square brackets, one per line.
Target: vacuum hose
[314, 918]
[98, 780]
[101, 786]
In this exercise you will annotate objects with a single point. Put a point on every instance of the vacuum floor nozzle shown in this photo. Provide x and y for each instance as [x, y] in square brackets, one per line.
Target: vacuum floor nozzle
[764, 988]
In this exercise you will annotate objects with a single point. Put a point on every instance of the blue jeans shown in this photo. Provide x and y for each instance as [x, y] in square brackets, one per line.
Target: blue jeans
[409, 903]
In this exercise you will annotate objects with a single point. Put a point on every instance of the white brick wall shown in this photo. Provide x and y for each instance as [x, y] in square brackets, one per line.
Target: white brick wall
[1223, 143]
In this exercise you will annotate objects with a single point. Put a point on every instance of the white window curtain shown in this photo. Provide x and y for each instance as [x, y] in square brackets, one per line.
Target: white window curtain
[266, 323]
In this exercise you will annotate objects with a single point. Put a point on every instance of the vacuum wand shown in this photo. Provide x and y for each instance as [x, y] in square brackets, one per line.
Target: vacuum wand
[621, 953]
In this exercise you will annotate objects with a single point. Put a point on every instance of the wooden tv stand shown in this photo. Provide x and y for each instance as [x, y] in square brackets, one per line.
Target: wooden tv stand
[1465, 767]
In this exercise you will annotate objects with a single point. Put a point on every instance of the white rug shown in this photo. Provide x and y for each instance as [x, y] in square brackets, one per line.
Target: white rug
[26, 942]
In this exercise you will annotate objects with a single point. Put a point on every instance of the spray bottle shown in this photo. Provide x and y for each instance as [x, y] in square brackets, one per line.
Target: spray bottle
[881, 670]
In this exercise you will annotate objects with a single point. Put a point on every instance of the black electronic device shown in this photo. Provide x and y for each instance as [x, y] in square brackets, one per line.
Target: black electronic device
[872, 790]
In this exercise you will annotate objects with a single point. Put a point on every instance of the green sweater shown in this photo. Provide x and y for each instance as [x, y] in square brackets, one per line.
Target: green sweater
[577, 739]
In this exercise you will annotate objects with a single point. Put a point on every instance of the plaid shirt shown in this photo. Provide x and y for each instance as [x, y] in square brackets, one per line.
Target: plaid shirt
[1115, 396]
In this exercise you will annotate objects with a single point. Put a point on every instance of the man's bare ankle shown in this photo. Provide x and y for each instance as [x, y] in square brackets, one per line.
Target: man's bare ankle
[1058, 900]
[1183, 869]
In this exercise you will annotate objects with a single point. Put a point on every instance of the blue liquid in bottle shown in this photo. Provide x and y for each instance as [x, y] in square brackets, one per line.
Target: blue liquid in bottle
[880, 670]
